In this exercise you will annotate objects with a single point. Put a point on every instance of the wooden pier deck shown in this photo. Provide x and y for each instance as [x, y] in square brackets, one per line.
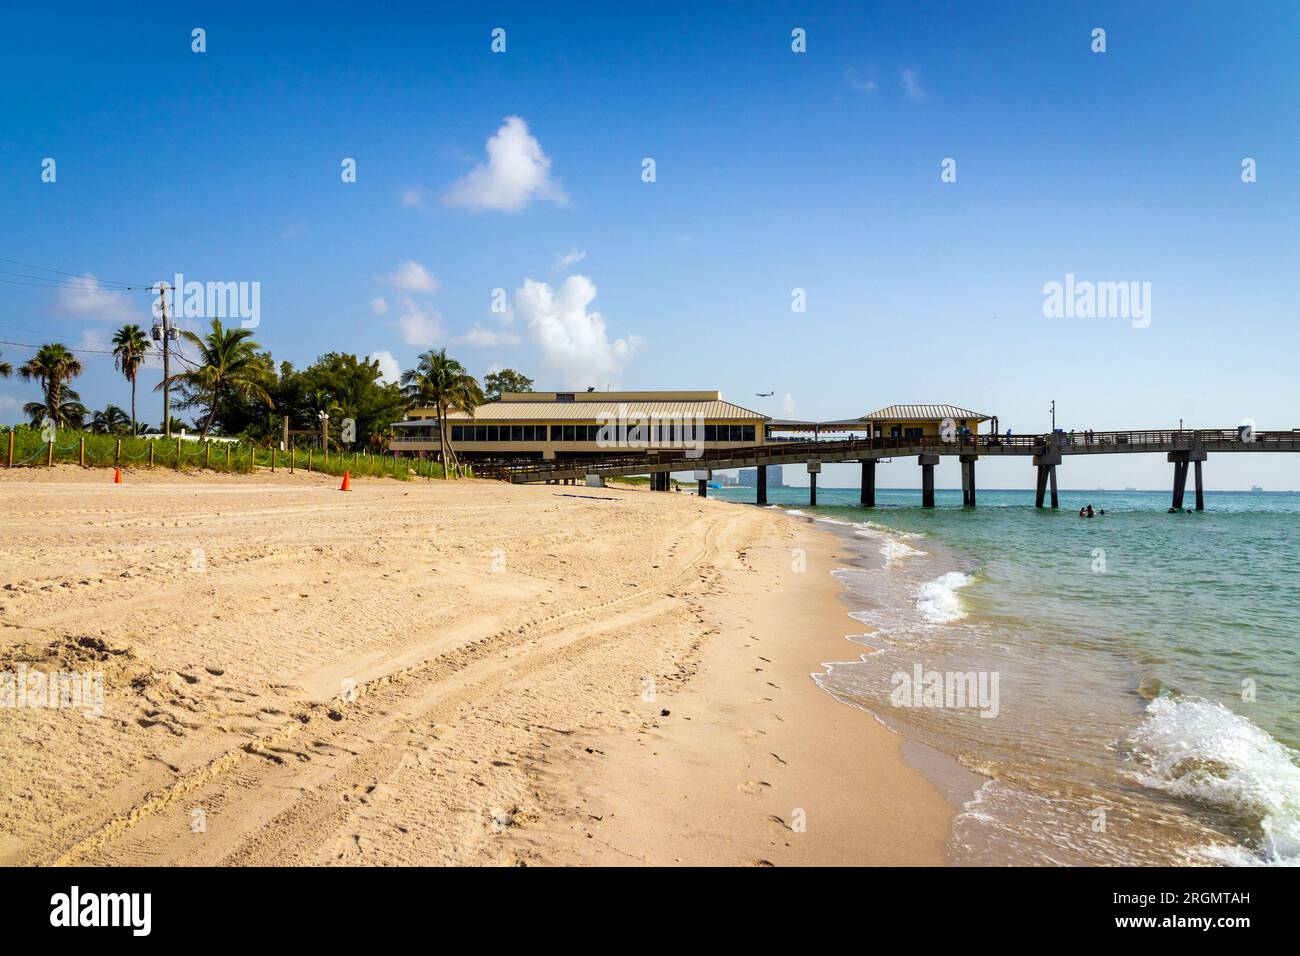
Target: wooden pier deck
[1183, 448]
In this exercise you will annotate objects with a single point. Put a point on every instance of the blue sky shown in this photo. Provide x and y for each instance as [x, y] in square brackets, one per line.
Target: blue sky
[775, 170]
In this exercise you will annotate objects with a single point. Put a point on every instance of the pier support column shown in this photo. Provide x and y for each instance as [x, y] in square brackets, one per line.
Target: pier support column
[761, 484]
[814, 469]
[868, 497]
[968, 480]
[927, 463]
[702, 476]
[1046, 462]
[1182, 460]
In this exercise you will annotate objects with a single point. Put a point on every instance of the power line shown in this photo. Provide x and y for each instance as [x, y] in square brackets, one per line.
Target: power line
[84, 286]
[28, 345]
[75, 275]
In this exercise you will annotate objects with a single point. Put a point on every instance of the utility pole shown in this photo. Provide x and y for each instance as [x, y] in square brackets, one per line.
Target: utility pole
[1053, 416]
[166, 347]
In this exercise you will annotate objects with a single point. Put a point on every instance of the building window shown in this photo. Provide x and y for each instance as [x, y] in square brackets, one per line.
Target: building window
[564, 396]
[457, 432]
[747, 433]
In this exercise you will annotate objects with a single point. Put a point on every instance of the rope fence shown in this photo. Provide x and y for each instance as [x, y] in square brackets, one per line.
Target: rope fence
[25, 447]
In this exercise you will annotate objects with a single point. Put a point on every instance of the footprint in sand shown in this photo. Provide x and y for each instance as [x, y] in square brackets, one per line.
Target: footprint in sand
[349, 846]
[753, 787]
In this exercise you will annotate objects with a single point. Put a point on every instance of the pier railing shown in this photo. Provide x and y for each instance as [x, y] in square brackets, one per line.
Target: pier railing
[647, 460]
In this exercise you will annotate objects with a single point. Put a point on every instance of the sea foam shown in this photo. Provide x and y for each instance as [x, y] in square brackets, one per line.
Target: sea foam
[937, 600]
[1202, 751]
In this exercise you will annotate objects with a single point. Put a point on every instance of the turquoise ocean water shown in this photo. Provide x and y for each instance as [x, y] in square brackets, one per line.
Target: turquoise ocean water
[1147, 665]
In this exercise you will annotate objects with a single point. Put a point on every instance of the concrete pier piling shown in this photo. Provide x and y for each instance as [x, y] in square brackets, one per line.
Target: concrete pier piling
[927, 463]
[1046, 461]
[1182, 460]
[868, 496]
[968, 480]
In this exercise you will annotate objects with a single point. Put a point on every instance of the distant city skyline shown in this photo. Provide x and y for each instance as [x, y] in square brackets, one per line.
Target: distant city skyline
[846, 207]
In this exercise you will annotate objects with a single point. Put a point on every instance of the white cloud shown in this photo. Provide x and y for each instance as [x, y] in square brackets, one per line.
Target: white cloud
[572, 339]
[912, 84]
[516, 173]
[85, 297]
[854, 81]
[389, 370]
[412, 277]
[413, 199]
[572, 257]
[379, 305]
[9, 404]
[420, 325]
[787, 405]
[481, 338]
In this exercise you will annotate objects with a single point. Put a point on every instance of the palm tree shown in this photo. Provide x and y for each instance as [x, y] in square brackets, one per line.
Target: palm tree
[111, 421]
[227, 365]
[6, 369]
[316, 402]
[130, 346]
[70, 411]
[53, 366]
[443, 383]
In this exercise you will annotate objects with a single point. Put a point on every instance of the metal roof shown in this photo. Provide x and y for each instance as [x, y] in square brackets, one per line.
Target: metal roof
[515, 411]
[925, 413]
[790, 424]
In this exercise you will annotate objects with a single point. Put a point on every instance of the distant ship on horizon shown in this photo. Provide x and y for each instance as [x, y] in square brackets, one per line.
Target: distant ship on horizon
[1256, 489]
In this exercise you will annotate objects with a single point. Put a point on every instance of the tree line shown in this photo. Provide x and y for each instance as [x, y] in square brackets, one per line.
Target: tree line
[236, 389]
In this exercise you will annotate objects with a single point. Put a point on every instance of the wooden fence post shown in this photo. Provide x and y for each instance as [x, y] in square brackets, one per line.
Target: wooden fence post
[178, 454]
[207, 455]
[152, 443]
[81, 451]
[49, 455]
[293, 456]
[117, 454]
[228, 454]
[11, 449]
[273, 457]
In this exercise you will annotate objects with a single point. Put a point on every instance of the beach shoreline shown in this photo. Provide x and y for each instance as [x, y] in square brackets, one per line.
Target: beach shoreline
[436, 672]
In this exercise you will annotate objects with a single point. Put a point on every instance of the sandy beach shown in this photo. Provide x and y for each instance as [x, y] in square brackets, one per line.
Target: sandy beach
[431, 672]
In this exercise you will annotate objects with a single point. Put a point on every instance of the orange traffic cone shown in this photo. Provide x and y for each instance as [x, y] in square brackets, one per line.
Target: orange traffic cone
[347, 485]
[117, 476]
